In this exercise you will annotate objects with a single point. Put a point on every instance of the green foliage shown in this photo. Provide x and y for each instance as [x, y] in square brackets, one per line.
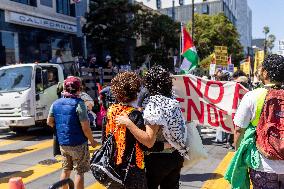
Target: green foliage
[205, 63]
[111, 24]
[216, 30]
[160, 36]
[268, 41]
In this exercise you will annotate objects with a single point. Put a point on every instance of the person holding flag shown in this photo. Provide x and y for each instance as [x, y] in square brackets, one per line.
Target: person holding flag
[189, 53]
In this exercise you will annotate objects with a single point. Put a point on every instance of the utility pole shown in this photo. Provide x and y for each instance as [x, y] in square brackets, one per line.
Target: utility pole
[192, 27]
[173, 10]
[79, 11]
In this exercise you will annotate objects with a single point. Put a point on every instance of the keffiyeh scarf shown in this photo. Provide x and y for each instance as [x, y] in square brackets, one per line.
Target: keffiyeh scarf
[166, 112]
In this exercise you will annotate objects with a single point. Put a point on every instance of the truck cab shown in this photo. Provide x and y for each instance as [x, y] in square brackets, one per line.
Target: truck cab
[26, 94]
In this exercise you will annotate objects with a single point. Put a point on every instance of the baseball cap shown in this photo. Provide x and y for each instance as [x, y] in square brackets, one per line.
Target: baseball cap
[72, 84]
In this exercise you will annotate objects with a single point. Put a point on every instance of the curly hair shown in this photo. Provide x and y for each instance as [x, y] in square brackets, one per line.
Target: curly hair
[158, 81]
[125, 86]
[274, 65]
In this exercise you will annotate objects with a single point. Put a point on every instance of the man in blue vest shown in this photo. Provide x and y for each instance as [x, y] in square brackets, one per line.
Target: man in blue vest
[69, 116]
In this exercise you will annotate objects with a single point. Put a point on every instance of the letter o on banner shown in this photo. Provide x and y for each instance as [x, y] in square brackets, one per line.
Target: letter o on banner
[221, 93]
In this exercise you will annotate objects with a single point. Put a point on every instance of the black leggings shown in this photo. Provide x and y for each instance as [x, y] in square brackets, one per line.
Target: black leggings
[163, 169]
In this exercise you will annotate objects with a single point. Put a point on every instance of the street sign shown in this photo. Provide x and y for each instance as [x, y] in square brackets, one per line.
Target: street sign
[221, 53]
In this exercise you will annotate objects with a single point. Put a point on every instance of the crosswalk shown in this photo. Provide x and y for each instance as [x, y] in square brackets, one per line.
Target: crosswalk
[30, 157]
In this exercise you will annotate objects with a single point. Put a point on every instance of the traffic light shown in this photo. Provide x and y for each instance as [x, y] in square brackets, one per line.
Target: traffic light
[158, 4]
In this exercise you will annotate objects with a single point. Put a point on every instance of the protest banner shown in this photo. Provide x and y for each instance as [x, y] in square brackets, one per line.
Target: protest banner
[207, 102]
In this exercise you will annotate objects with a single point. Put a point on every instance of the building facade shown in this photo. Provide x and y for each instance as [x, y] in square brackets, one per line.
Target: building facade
[237, 11]
[33, 30]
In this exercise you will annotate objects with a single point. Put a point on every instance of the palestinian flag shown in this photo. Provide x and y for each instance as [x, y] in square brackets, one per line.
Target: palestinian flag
[189, 53]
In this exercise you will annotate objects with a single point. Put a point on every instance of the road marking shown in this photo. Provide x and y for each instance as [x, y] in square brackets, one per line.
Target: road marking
[96, 186]
[10, 141]
[10, 154]
[218, 181]
[31, 173]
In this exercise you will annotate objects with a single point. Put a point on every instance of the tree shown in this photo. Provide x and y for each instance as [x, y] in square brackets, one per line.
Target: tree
[160, 36]
[266, 30]
[268, 40]
[216, 30]
[110, 26]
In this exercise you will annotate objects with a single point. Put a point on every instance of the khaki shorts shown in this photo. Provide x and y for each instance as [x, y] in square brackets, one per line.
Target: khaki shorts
[76, 158]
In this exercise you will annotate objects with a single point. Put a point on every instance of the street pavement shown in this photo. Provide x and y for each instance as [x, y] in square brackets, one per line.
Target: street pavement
[30, 157]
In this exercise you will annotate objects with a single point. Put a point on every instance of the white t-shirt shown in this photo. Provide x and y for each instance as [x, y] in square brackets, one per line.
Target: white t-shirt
[244, 115]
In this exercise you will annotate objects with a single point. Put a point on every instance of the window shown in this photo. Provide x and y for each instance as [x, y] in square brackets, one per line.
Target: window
[15, 79]
[205, 9]
[7, 48]
[39, 80]
[47, 3]
[65, 7]
[52, 76]
[27, 2]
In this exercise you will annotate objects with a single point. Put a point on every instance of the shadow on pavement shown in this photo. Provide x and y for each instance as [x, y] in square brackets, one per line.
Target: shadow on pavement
[200, 177]
[22, 174]
[14, 151]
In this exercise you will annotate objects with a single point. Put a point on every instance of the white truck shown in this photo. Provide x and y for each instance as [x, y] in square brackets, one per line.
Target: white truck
[26, 94]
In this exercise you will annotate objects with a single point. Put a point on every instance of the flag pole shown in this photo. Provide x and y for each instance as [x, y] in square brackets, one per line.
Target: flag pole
[180, 42]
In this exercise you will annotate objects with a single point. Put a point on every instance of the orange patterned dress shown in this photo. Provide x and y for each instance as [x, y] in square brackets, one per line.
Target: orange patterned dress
[121, 135]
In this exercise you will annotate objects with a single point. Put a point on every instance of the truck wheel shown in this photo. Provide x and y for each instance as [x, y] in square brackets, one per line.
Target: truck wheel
[19, 129]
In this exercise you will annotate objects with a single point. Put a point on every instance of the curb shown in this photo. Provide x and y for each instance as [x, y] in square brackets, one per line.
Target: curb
[4, 129]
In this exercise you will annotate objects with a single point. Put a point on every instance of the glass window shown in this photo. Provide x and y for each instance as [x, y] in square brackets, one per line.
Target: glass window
[7, 48]
[34, 47]
[15, 79]
[39, 80]
[46, 3]
[27, 2]
[52, 76]
[64, 45]
[64, 7]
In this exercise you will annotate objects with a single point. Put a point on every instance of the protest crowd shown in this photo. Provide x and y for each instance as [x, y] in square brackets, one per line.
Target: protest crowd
[150, 126]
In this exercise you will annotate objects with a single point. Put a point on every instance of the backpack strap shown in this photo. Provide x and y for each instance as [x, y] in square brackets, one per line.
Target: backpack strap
[259, 105]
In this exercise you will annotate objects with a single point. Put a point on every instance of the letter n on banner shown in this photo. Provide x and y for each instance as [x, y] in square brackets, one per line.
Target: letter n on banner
[199, 113]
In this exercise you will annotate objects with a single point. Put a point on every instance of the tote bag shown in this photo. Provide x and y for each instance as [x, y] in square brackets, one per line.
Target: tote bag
[197, 152]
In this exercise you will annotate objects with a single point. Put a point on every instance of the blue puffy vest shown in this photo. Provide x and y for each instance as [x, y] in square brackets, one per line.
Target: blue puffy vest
[68, 126]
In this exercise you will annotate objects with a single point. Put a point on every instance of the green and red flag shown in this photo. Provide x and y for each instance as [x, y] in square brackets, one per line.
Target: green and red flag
[189, 53]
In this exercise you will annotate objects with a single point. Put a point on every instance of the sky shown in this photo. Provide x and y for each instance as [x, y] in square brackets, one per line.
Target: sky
[270, 13]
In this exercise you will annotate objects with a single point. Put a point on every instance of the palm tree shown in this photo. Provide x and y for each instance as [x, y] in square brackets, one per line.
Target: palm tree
[270, 42]
[266, 30]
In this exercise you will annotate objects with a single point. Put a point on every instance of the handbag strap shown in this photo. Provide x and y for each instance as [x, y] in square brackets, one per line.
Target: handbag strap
[129, 162]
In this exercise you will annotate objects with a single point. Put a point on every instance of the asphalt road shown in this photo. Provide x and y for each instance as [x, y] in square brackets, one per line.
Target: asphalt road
[30, 156]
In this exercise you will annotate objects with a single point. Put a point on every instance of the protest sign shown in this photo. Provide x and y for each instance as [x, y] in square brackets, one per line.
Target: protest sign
[207, 102]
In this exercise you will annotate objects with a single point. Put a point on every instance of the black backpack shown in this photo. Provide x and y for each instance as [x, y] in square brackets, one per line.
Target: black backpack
[103, 166]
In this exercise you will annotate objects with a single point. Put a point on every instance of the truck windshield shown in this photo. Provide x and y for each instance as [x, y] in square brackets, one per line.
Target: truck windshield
[15, 79]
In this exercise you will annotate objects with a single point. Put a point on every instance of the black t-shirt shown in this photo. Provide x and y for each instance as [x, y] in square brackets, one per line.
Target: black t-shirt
[137, 118]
